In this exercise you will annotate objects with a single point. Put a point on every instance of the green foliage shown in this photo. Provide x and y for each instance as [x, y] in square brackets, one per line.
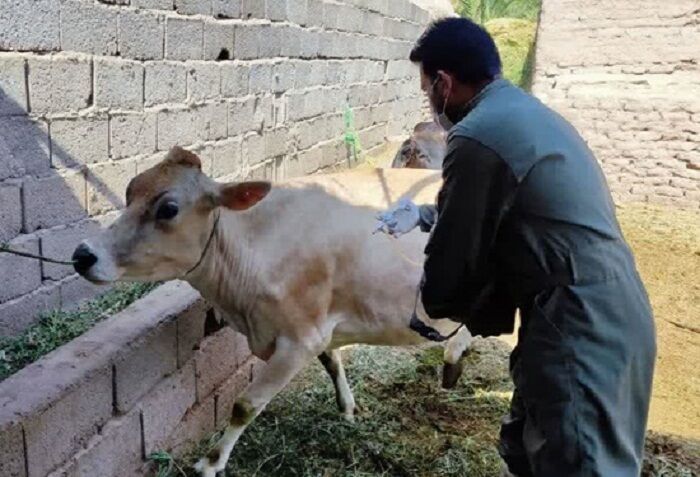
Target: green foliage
[513, 26]
[515, 40]
[165, 465]
[58, 327]
[351, 138]
[482, 11]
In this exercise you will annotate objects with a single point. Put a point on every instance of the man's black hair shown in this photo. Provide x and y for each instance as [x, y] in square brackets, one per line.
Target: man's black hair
[459, 46]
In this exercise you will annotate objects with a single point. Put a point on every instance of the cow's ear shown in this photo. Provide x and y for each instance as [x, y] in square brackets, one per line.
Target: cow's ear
[243, 195]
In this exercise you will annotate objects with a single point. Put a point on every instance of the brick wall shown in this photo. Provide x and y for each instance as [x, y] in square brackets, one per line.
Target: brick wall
[93, 92]
[144, 380]
[627, 74]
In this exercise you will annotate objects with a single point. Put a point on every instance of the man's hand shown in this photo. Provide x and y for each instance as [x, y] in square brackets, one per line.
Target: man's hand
[400, 219]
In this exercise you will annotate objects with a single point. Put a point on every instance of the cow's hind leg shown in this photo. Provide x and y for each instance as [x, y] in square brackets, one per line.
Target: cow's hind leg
[453, 357]
[287, 360]
[343, 395]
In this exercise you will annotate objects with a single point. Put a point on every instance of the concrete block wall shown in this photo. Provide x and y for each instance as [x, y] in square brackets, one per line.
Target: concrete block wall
[93, 92]
[627, 74]
[161, 375]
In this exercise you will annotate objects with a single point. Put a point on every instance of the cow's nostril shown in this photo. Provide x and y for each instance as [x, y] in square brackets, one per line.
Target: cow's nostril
[83, 259]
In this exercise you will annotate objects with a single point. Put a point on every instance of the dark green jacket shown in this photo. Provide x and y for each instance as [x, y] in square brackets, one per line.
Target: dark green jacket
[524, 206]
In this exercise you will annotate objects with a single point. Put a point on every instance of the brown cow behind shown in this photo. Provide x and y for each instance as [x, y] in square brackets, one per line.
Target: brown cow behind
[425, 149]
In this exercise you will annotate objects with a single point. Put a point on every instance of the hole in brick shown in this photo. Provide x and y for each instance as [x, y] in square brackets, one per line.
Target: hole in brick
[223, 55]
[211, 324]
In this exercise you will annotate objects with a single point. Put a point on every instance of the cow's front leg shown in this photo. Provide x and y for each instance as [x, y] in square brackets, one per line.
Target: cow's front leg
[287, 360]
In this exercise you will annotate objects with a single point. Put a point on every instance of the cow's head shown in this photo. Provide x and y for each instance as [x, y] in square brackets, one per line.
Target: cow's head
[166, 225]
[425, 149]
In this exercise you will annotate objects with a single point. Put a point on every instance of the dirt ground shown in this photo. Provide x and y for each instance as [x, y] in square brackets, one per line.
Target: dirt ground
[666, 243]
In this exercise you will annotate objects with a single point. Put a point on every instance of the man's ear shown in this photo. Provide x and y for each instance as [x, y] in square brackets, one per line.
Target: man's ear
[243, 195]
[447, 81]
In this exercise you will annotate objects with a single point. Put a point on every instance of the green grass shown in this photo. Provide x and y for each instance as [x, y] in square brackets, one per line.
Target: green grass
[407, 425]
[58, 327]
[513, 25]
[515, 39]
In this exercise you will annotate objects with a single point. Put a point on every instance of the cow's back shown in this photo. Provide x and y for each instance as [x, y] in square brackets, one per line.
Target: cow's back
[377, 188]
[328, 221]
[330, 210]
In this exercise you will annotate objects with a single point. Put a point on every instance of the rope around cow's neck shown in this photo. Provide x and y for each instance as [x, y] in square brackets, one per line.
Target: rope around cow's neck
[5, 248]
[206, 246]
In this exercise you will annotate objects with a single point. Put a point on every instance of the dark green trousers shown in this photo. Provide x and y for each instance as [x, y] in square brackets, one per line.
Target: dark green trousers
[583, 374]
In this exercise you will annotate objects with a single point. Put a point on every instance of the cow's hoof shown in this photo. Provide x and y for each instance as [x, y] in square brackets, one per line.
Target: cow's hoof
[451, 373]
[350, 414]
[206, 468]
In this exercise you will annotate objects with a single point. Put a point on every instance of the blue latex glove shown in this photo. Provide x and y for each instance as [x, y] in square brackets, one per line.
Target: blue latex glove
[399, 219]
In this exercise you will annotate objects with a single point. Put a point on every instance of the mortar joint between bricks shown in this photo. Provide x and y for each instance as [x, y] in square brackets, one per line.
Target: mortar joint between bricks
[24, 448]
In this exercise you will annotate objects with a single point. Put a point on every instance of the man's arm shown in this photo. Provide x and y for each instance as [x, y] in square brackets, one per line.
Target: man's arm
[477, 191]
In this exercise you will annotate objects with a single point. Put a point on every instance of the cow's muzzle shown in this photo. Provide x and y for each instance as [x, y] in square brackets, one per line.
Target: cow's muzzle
[83, 259]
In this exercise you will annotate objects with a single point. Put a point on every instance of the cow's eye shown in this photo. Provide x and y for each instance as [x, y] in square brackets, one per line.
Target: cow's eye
[167, 211]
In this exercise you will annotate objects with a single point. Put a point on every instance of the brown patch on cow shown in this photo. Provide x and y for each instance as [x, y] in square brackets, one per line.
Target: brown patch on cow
[243, 412]
[267, 353]
[214, 455]
[162, 176]
[344, 298]
[309, 293]
[182, 157]
[150, 183]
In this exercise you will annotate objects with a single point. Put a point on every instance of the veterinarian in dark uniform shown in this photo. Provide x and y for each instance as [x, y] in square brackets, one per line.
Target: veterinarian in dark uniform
[525, 221]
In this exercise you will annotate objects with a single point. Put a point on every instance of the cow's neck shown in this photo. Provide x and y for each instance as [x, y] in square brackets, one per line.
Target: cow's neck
[226, 276]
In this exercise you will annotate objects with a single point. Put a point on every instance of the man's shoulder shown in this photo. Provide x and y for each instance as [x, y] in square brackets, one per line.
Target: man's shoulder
[465, 154]
[512, 107]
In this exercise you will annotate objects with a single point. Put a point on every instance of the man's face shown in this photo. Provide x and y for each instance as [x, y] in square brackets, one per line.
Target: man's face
[446, 94]
[433, 89]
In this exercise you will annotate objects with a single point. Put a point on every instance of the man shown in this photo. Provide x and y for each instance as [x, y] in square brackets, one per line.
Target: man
[524, 220]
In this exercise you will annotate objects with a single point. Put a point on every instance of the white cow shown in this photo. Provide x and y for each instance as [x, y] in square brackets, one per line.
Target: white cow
[294, 267]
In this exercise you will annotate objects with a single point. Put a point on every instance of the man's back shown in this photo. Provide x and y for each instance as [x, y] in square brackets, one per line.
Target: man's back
[561, 202]
[560, 255]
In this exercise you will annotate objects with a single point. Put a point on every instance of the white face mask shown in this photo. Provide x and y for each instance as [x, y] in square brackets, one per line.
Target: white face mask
[441, 118]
